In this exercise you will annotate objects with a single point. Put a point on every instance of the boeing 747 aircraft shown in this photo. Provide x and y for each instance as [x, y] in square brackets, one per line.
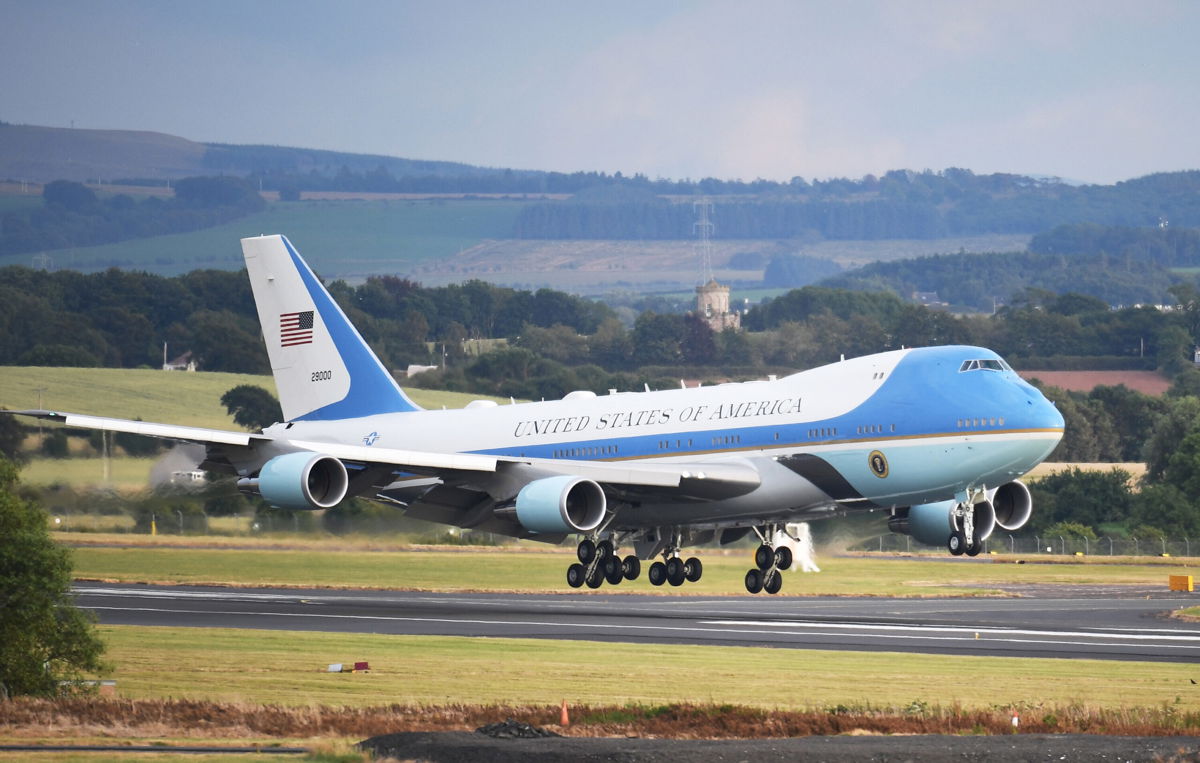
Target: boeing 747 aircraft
[934, 438]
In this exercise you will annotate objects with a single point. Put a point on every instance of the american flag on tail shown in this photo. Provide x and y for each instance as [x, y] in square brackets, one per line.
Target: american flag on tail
[296, 328]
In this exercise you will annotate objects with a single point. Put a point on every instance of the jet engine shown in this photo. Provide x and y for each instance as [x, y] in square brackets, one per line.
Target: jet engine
[932, 523]
[1012, 505]
[1008, 507]
[301, 481]
[563, 504]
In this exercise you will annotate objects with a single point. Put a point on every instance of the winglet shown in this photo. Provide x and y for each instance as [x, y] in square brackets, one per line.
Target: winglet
[323, 368]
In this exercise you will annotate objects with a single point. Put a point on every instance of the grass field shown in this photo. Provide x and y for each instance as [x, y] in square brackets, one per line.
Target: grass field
[176, 398]
[506, 569]
[340, 239]
[288, 668]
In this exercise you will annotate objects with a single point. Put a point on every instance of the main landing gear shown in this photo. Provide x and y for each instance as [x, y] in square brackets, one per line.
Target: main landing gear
[963, 540]
[674, 569]
[599, 563]
[769, 563]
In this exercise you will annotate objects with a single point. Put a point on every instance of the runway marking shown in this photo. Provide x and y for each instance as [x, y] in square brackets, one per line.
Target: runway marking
[1136, 635]
[689, 629]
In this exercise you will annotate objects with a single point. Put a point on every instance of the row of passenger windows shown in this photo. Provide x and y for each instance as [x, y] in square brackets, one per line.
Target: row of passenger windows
[665, 444]
[876, 429]
[732, 439]
[598, 450]
[991, 421]
[823, 432]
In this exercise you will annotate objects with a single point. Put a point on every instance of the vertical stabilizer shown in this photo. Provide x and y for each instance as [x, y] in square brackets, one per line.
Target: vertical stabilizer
[323, 368]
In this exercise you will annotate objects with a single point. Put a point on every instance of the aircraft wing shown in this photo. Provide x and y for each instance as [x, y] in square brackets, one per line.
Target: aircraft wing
[198, 435]
[707, 480]
[700, 478]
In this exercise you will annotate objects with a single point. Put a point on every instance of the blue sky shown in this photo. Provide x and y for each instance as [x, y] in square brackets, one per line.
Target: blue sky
[1087, 90]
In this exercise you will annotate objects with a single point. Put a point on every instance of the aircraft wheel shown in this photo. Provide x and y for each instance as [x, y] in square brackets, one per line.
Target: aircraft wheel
[692, 569]
[975, 548]
[783, 557]
[754, 581]
[658, 573]
[586, 551]
[632, 567]
[774, 584]
[614, 573]
[956, 543]
[604, 549]
[764, 557]
[596, 579]
[576, 574]
[676, 573]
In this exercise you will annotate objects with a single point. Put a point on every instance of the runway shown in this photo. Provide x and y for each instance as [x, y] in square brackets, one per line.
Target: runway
[1110, 623]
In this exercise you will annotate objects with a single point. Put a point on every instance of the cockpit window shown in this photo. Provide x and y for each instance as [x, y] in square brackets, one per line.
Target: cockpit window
[986, 364]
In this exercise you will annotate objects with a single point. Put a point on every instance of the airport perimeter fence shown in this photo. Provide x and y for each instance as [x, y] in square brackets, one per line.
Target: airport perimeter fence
[1003, 543]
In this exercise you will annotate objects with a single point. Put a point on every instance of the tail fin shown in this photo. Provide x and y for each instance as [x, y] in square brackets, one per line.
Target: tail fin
[323, 368]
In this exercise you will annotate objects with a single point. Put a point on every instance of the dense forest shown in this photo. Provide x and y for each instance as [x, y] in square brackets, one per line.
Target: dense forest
[73, 215]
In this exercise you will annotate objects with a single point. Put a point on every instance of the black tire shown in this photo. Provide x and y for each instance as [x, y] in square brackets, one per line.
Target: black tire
[754, 580]
[974, 548]
[576, 574]
[632, 567]
[783, 558]
[675, 571]
[604, 549]
[657, 574]
[586, 551]
[614, 573]
[764, 557]
[773, 585]
[596, 579]
[956, 543]
[692, 569]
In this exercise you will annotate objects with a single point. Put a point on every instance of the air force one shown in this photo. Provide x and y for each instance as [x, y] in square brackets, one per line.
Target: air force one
[935, 438]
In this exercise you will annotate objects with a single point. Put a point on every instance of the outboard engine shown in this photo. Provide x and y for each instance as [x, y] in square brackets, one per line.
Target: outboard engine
[300, 481]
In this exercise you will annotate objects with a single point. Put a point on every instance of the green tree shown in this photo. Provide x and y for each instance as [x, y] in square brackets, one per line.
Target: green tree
[252, 406]
[44, 638]
[12, 436]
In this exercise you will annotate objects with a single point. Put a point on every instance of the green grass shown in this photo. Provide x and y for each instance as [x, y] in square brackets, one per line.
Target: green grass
[287, 668]
[510, 569]
[192, 399]
[340, 239]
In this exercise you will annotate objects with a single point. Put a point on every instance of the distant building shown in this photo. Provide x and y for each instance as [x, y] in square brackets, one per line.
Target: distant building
[712, 304]
[184, 362]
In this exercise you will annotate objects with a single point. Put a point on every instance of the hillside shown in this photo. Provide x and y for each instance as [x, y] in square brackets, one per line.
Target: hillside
[39, 154]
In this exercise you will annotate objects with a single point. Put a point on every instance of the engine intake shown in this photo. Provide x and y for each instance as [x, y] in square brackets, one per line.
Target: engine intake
[1012, 504]
[561, 504]
[302, 481]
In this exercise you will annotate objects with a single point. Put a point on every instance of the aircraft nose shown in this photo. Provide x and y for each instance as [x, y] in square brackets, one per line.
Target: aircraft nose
[1045, 414]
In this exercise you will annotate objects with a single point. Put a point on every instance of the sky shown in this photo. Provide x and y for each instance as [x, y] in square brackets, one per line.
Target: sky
[1087, 90]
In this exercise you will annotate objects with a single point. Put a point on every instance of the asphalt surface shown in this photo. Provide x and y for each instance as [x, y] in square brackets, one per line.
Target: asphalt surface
[1093, 622]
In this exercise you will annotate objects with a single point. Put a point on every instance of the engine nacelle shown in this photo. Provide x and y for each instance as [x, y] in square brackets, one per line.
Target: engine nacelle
[1012, 505]
[932, 523]
[302, 481]
[563, 504]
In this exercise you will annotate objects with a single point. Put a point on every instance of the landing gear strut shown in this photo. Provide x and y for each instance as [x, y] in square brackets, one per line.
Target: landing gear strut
[769, 563]
[599, 563]
[963, 540]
